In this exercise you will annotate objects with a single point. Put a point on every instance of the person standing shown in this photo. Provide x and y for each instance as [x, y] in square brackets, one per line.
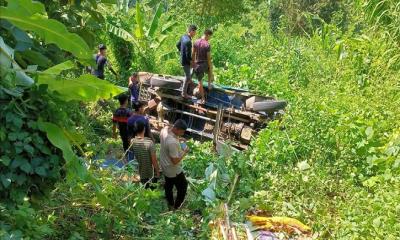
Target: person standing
[139, 115]
[184, 46]
[133, 85]
[202, 61]
[171, 156]
[120, 119]
[145, 154]
[102, 62]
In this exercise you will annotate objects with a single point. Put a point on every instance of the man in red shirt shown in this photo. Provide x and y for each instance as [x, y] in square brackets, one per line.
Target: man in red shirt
[202, 61]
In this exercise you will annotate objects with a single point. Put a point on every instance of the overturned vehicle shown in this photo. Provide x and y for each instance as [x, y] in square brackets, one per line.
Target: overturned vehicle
[229, 115]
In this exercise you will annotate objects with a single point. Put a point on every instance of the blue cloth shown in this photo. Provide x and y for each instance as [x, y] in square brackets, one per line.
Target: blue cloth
[185, 48]
[131, 122]
[101, 62]
[134, 89]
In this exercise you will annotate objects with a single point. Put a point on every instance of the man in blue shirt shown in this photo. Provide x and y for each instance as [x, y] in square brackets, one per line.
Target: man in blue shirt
[101, 62]
[185, 48]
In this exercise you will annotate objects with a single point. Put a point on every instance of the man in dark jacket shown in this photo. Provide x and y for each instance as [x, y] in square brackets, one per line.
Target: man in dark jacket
[102, 62]
[185, 48]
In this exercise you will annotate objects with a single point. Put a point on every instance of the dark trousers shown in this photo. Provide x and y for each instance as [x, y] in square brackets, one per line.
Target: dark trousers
[188, 79]
[181, 185]
[123, 133]
[125, 142]
[149, 184]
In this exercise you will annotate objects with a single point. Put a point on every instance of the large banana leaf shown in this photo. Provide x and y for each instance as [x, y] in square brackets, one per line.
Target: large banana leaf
[122, 33]
[85, 88]
[57, 137]
[7, 62]
[50, 30]
[154, 22]
[26, 7]
[139, 32]
[54, 71]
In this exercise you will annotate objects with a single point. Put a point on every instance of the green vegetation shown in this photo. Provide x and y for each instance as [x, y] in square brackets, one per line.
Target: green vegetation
[333, 162]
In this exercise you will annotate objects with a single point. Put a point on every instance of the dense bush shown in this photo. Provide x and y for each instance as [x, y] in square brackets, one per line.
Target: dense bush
[29, 164]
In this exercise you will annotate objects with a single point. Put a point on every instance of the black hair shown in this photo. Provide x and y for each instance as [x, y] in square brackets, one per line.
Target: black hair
[134, 74]
[137, 105]
[180, 124]
[122, 98]
[208, 32]
[192, 28]
[102, 47]
[139, 126]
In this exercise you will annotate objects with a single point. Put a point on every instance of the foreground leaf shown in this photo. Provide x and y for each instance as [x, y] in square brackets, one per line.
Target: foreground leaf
[50, 30]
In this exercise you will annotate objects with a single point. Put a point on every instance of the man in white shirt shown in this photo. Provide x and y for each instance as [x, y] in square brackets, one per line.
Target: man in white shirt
[171, 156]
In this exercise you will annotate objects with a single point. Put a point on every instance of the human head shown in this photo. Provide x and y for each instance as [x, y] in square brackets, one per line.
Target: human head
[139, 127]
[123, 99]
[192, 30]
[139, 107]
[179, 127]
[208, 33]
[102, 49]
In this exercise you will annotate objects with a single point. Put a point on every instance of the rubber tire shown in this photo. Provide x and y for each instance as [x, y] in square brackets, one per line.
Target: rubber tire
[165, 83]
[269, 106]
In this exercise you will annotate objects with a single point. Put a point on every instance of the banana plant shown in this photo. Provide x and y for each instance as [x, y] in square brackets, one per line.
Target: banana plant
[144, 37]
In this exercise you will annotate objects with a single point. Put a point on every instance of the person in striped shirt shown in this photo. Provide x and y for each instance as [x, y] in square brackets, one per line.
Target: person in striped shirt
[145, 154]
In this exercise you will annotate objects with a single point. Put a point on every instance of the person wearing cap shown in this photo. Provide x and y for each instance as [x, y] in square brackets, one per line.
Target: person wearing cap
[171, 156]
[101, 62]
[202, 61]
[184, 46]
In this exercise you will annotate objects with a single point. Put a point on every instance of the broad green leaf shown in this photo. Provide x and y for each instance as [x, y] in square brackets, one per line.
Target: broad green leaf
[35, 57]
[5, 160]
[154, 22]
[7, 60]
[23, 40]
[57, 69]
[41, 171]
[6, 181]
[122, 33]
[139, 32]
[20, 179]
[167, 27]
[50, 30]
[209, 194]
[56, 137]
[26, 7]
[26, 167]
[85, 88]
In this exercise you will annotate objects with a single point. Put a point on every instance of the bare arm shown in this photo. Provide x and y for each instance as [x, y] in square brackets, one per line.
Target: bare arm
[193, 57]
[155, 164]
[210, 69]
[177, 160]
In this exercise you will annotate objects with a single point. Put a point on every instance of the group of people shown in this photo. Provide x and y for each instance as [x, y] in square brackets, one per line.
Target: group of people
[134, 130]
[197, 58]
[134, 127]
